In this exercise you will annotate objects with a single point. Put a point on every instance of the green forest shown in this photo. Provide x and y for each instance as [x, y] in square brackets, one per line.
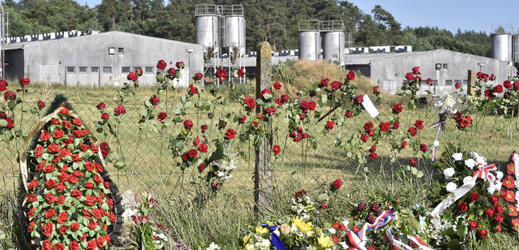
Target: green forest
[274, 21]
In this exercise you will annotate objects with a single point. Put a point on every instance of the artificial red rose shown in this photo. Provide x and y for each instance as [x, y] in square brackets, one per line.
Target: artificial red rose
[76, 158]
[60, 200]
[49, 198]
[463, 206]
[105, 149]
[277, 85]
[31, 226]
[65, 124]
[64, 112]
[30, 214]
[498, 88]
[498, 228]
[46, 245]
[31, 198]
[97, 179]
[89, 200]
[41, 165]
[61, 186]
[483, 233]
[89, 185]
[62, 230]
[412, 162]
[423, 147]
[82, 238]
[412, 131]
[507, 84]
[162, 64]
[375, 90]
[54, 121]
[243, 119]
[193, 153]
[84, 147]
[329, 125]
[359, 99]
[474, 196]
[323, 83]
[106, 184]
[3, 85]
[473, 225]
[355, 229]
[384, 126]
[62, 217]
[50, 183]
[312, 105]
[498, 209]
[49, 169]
[264, 92]
[99, 168]
[337, 184]
[38, 151]
[499, 218]
[489, 93]
[74, 226]
[78, 134]
[419, 124]
[48, 229]
[56, 159]
[188, 124]
[297, 139]
[373, 156]
[199, 76]
[93, 148]
[364, 137]
[349, 114]
[230, 133]
[336, 85]
[203, 148]
[397, 107]
[370, 219]
[91, 245]
[100, 241]
[65, 152]
[85, 213]
[368, 125]
[49, 213]
[251, 103]
[494, 199]
[68, 141]
[89, 166]
[351, 75]
[201, 167]
[371, 133]
[101, 106]
[489, 212]
[120, 110]
[92, 225]
[9, 95]
[33, 184]
[96, 213]
[276, 149]
[44, 136]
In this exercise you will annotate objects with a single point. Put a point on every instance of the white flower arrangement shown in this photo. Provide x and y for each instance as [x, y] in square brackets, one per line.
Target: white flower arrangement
[449, 172]
[450, 103]
[470, 163]
[458, 156]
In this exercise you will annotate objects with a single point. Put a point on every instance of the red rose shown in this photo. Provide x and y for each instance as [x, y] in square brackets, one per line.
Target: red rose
[89, 200]
[264, 92]
[97, 179]
[499, 218]
[498, 88]
[96, 213]
[100, 241]
[329, 125]
[419, 124]
[498, 228]
[351, 75]
[49, 169]
[489, 93]
[64, 112]
[66, 124]
[44, 136]
[323, 206]
[68, 141]
[61, 186]
[412, 162]
[230, 133]
[483, 233]
[384, 126]
[323, 83]
[188, 124]
[370, 219]
[397, 107]
[375, 90]
[373, 156]
[9, 95]
[33, 184]
[336, 85]
[49, 198]
[46, 245]
[276, 149]
[60, 200]
[30, 214]
[38, 151]
[99, 168]
[91, 244]
[473, 225]
[474, 196]
[92, 225]
[359, 99]
[368, 126]
[251, 103]
[349, 114]
[203, 148]
[364, 137]
[337, 184]
[193, 153]
[50, 183]
[105, 149]
[78, 134]
[31, 198]
[507, 84]
[48, 229]
[201, 167]
[312, 105]
[277, 85]
[162, 64]
[84, 147]
[3, 85]
[463, 206]
[65, 152]
[494, 199]
[155, 100]
[193, 90]
[93, 148]
[89, 185]
[24, 81]
[203, 128]
[132, 76]
[199, 76]
[242, 119]
[49, 213]
[120, 110]
[85, 213]
[396, 125]
[72, 179]
[498, 209]
[162, 116]
[62, 217]
[423, 147]
[31, 226]
[63, 230]
[371, 133]
[53, 148]
[89, 166]
[412, 131]
[74, 226]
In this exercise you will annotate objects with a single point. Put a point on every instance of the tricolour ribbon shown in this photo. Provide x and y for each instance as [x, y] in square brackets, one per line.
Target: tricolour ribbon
[380, 222]
[437, 142]
[276, 241]
[482, 173]
[399, 245]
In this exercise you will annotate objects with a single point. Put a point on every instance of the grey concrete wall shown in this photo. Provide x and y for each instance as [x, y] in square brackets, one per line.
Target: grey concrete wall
[92, 51]
[394, 69]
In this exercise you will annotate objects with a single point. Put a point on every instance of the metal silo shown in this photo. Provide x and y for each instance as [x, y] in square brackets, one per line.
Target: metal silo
[502, 47]
[207, 29]
[235, 34]
[515, 50]
[309, 40]
[333, 40]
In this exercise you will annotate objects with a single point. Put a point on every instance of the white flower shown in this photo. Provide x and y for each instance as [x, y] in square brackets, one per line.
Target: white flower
[458, 156]
[451, 187]
[129, 212]
[499, 175]
[470, 163]
[492, 188]
[332, 230]
[265, 243]
[467, 179]
[449, 172]
[213, 246]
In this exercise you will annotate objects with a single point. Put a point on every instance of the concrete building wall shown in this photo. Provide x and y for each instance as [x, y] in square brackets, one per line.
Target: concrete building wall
[48, 60]
[454, 67]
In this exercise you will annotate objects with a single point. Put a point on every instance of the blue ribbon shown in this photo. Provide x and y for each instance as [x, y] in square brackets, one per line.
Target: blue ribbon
[276, 241]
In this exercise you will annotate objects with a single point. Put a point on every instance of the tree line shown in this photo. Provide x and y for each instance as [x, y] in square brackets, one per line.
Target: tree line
[273, 21]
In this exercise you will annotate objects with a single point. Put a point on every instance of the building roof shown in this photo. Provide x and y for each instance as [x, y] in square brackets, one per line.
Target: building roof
[365, 59]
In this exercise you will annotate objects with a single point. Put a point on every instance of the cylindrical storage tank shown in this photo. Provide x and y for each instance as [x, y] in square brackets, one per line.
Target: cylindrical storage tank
[309, 45]
[235, 33]
[333, 47]
[502, 47]
[515, 48]
[206, 32]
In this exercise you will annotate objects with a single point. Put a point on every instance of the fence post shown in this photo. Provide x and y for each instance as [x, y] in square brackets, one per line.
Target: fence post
[471, 80]
[263, 169]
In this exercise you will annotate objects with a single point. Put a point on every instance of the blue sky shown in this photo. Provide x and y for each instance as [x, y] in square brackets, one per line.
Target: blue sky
[477, 15]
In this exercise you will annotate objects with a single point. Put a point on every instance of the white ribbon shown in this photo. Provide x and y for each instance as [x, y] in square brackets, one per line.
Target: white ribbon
[398, 245]
[516, 170]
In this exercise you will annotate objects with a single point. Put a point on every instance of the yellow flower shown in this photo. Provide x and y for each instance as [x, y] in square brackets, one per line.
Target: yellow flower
[309, 233]
[305, 227]
[325, 241]
[246, 239]
[313, 248]
[261, 230]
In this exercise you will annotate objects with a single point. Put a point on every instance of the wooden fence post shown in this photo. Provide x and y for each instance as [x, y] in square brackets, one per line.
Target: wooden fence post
[263, 169]
[471, 81]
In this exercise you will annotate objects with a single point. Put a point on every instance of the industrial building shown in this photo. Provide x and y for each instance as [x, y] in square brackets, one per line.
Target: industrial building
[96, 59]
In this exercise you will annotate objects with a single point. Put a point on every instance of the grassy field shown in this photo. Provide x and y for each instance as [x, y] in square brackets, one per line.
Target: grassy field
[185, 207]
